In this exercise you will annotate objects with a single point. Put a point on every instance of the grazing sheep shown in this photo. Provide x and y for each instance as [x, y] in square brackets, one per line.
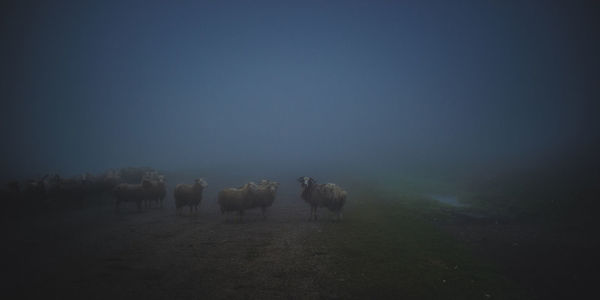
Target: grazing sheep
[127, 192]
[263, 195]
[189, 194]
[236, 199]
[322, 195]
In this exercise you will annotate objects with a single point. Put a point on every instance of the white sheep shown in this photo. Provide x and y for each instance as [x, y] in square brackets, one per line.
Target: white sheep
[263, 195]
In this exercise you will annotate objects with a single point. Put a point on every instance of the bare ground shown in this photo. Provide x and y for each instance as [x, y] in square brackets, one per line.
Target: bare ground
[102, 254]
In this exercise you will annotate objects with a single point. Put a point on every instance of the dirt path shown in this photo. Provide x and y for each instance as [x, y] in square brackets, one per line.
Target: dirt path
[97, 253]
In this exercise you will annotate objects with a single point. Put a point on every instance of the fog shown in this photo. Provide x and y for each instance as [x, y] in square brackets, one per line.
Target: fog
[298, 85]
[450, 149]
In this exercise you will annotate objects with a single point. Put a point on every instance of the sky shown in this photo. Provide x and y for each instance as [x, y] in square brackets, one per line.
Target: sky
[185, 84]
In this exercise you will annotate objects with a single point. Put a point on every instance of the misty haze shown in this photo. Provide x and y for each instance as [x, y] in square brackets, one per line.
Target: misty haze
[299, 149]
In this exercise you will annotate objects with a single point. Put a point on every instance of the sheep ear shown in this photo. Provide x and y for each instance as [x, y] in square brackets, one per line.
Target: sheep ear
[300, 179]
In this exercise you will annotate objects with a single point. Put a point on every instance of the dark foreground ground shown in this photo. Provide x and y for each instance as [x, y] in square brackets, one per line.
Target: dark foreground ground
[547, 260]
[404, 247]
[95, 253]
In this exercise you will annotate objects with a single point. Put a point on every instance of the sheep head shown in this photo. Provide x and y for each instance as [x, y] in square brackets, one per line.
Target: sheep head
[306, 181]
[201, 182]
[273, 186]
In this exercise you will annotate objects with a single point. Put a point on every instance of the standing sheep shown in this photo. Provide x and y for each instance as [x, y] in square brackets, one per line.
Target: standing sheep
[236, 199]
[189, 194]
[263, 195]
[159, 189]
[322, 195]
[127, 192]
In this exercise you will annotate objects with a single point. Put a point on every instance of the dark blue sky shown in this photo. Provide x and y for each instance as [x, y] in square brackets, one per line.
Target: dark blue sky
[92, 86]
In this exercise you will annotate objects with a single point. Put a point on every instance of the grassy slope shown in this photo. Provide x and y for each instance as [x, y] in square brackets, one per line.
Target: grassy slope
[388, 247]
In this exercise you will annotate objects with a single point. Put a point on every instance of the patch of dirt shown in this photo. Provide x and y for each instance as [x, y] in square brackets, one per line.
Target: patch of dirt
[97, 253]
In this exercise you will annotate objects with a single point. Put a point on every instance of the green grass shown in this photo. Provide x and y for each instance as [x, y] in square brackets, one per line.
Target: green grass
[387, 247]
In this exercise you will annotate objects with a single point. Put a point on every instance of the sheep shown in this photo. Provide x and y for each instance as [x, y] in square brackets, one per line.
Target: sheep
[134, 174]
[64, 191]
[322, 195]
[248, 196]
[236, 199]
[263, 195]
[159, 190]
[127, 192]
[107, 181]
[189, 194]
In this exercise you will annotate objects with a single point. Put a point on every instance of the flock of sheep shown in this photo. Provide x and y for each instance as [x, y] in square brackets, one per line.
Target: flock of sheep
[145, 186]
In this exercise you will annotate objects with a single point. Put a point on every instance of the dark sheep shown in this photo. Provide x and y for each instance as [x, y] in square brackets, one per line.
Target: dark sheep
[322, 195]
[127, 192]
[189, 194]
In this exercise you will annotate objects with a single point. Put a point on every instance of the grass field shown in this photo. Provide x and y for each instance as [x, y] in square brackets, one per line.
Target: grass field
[388, 246]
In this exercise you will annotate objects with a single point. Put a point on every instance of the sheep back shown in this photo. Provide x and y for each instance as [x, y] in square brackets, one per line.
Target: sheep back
[132, 192]
[235, 199]
[263, 194]
[326, 195]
